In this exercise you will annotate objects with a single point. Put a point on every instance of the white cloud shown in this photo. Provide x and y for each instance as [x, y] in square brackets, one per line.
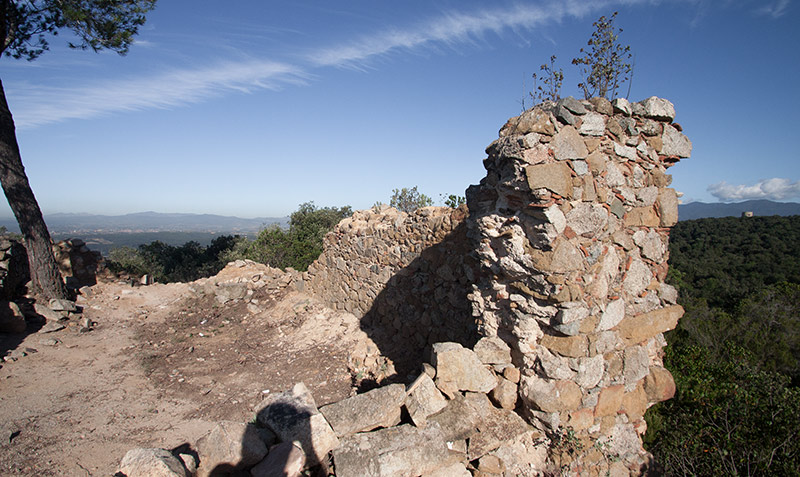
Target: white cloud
[452, 28]
[775, 189]
[775, 9]
[36, 105]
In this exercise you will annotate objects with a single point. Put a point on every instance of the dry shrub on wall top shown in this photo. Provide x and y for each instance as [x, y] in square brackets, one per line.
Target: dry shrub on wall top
[604, 66]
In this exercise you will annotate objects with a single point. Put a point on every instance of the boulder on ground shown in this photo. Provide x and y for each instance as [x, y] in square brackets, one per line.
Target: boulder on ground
[230, 445]
[284, 460]
[293, 416]
[143, 462]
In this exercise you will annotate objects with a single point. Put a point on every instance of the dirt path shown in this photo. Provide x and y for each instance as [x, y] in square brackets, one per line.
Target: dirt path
[159, 367]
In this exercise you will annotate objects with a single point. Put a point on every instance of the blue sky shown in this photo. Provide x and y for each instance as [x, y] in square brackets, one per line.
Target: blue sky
[250, 108]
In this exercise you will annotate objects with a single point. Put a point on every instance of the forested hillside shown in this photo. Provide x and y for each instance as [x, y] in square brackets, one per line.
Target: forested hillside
[735, 355]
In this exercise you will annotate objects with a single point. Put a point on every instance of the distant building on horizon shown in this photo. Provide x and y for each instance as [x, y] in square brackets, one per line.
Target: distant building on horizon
[747, 213]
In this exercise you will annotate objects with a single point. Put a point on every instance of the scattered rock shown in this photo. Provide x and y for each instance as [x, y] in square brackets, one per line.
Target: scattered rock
[143, 462]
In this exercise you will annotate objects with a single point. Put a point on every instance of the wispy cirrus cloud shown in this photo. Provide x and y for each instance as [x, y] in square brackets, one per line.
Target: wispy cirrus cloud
[774, 9]
[42, 105]
[38, 105]
[775, 189]
[452, 28]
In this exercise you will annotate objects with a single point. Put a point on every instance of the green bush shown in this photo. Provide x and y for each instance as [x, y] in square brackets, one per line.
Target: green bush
[168, 263]
[728, 417]
[298, 246]
[409, 200]
[735, 354]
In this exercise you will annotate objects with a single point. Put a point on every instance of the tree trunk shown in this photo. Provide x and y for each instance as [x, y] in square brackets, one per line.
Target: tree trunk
[45, 276]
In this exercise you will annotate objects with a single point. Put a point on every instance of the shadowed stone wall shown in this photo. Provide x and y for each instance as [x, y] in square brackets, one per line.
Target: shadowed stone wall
[407, 276]
[563, 256]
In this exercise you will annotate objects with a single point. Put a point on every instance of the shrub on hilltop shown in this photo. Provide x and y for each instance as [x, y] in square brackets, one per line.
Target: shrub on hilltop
[296, 247]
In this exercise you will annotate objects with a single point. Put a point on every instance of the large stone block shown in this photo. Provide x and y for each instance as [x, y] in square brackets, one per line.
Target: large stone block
[593, 124]
[364, 412]
[635, 329]
[609, 401]
[659, 385]
[642, 217]
[403, 451]
[531, 121]
[498, 427]
[423, 400]
[492, 350]
[568, 144]
[230, 445]
[461, 368]
[667, 204]
[293, 416]
[658, 108]
[675, 143]
[284, 460]
[550, 395]
[556, 177]
[570, 346]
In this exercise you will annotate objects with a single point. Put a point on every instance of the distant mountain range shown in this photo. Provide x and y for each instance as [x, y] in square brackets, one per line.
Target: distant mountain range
[151, 222]
[65, 224]
[700, 210]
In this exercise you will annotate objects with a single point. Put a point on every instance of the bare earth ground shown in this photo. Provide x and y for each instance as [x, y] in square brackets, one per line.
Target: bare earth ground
[158, 369]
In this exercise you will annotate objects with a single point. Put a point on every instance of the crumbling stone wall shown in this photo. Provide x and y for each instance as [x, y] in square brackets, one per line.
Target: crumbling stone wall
[571, 225]
[563, 257]
[407, 276]
[13, 268]
[78, 265]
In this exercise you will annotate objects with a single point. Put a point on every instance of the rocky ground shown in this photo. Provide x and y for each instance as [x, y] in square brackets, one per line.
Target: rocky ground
[161, 364]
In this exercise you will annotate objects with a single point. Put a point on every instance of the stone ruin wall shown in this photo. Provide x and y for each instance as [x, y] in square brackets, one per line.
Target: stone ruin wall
[572, 226]
[406, 276]
[78, 265]
[563, 256]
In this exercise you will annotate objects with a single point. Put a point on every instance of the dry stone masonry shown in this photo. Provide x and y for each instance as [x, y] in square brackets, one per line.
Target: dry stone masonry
[406, 276]
[571, 225]
[558, 267]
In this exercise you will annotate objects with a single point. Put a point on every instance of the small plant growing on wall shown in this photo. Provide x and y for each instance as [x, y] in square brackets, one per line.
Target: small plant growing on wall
[604, 65]
[551, 80]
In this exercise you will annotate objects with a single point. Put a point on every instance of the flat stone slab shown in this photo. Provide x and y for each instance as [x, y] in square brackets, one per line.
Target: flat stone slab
[497, 427]
[364, 412]
[403, 451]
